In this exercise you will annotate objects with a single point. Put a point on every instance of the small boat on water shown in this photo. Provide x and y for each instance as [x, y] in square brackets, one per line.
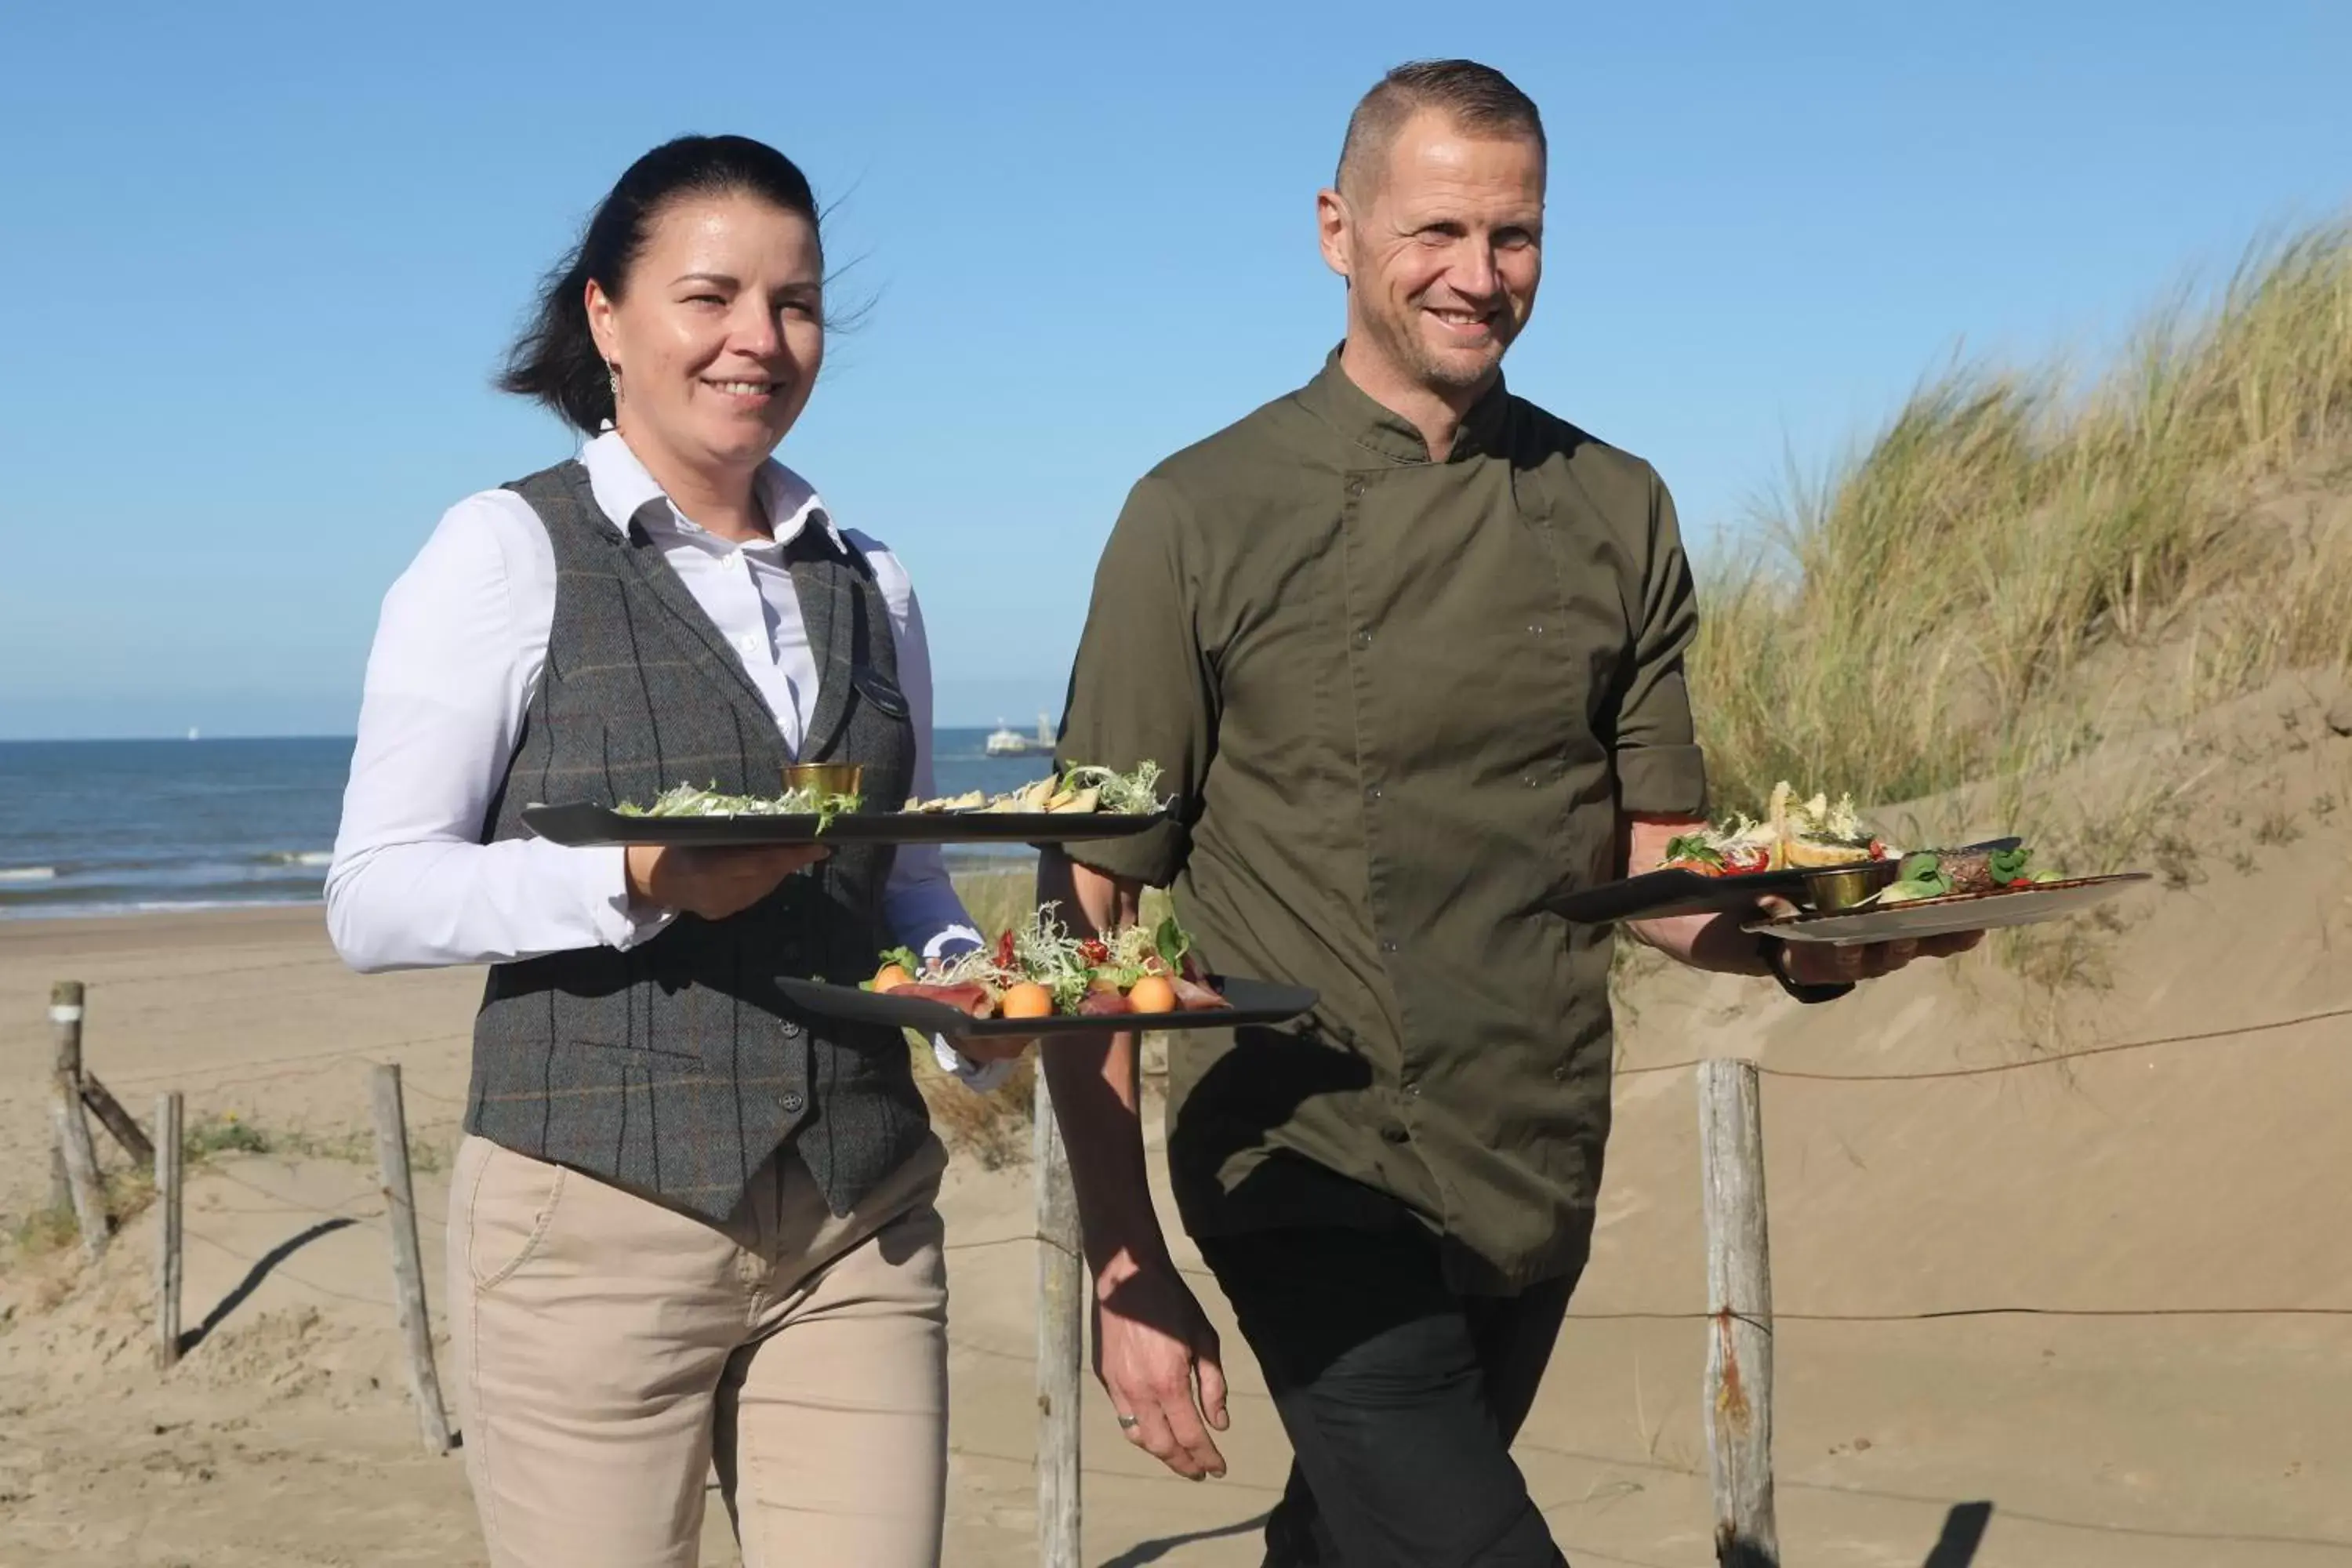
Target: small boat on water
[1007, 742]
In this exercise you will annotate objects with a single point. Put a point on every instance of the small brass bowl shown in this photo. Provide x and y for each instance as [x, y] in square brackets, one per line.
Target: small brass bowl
[826, 778]
[1848, 885]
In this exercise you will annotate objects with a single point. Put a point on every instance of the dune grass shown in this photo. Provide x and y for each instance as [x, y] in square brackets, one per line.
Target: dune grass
[1967, 599]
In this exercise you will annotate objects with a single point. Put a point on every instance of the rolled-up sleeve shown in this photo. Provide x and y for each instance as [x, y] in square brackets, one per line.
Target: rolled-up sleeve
[1140, 689]
[1659, 769]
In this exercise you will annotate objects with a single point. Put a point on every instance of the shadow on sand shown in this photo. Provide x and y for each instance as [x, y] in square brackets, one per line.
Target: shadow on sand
[1144, 1551]
[192, 1338]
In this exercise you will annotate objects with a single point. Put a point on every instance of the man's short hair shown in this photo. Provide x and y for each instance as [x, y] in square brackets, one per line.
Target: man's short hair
[1477, 98]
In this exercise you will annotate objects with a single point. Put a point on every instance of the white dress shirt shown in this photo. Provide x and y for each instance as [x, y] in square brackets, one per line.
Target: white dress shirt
[457, 658]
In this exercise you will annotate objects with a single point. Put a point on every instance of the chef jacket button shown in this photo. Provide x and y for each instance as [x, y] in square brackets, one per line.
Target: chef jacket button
[1388, 944]
[1364, 639]
[1374, 791]
[1395, 1134]
[1412, 1088]
[1535, 629]
[1355, 486]
[792, 1102]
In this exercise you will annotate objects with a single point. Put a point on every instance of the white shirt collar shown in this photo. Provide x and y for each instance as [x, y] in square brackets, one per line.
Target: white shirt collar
[621, 485]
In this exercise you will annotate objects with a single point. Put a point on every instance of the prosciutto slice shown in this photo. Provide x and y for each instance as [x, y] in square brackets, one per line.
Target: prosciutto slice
[1103, 1004]
[973, 999]
[1191, 996]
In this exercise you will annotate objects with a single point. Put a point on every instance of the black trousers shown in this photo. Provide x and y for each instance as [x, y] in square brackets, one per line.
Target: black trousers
[1400, 1398]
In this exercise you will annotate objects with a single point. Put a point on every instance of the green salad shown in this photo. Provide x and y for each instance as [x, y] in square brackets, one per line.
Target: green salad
[1929, 875]
[692, 800]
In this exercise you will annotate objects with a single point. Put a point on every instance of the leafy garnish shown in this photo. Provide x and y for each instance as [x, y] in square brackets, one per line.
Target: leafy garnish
[691, 800]
[1172, 941]
[1044, 951]
[1693, 847]
[1920, 876]
[1081, 789]
[1133, 793]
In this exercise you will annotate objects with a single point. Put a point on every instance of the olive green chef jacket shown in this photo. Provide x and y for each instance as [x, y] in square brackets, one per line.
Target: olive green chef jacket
[1402, 702]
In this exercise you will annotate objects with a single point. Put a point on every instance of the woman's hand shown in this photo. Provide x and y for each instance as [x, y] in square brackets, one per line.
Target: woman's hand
[712, 883]
[985, 1048]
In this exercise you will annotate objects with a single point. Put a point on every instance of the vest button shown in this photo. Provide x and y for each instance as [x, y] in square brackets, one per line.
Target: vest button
[792, 1031]
[792, 1102]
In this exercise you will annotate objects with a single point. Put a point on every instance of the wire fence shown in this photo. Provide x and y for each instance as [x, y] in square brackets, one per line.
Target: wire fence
[280, 1068]
[2023, 1064]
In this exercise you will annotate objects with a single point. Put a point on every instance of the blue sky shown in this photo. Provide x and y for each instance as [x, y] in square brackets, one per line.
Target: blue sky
[262, 259]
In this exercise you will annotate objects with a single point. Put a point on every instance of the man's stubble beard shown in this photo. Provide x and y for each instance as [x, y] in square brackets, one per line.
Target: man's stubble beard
[1404, 349]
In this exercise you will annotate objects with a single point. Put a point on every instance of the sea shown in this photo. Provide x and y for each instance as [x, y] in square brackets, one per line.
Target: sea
[101, 827]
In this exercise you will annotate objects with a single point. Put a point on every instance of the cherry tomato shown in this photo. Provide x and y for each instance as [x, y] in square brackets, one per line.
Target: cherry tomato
[1094, 951]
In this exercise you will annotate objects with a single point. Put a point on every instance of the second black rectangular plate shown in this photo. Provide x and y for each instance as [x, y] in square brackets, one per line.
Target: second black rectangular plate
[1254, 1002]
[582, 826]
[1658, 895]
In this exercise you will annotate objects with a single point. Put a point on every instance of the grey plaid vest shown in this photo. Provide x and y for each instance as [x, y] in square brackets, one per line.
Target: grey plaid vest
[677, 1068]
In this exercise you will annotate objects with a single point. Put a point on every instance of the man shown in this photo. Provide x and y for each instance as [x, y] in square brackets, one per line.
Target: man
[1410, 650]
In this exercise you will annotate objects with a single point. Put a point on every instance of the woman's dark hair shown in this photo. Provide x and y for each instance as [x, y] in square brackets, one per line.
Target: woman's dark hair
[555, 361]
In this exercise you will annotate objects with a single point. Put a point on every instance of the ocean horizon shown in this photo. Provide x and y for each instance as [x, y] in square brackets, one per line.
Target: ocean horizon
[138, 826]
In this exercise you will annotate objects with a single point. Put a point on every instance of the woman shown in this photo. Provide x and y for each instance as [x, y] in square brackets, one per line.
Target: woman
[686, 1224]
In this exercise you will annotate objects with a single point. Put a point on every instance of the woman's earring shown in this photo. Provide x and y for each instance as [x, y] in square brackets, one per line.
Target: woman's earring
[613, 374]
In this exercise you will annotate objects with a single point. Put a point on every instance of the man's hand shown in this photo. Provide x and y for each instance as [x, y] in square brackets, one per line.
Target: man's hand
[712, 883]
[1822, 963]
[1719, 943]
[1155, 1352]
[1157, 1357]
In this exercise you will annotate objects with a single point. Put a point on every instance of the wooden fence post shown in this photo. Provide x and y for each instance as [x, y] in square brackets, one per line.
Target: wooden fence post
[168, 1152]
[407, 1265]
[68, 1128]
[1061, 1339]
[67, 999]
[65, 1027]
[1738, 1395]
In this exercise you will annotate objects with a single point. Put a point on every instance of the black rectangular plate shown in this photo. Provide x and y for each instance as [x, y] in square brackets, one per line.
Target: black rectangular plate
[590, 826]
[1254, 1002]
[1659, 895]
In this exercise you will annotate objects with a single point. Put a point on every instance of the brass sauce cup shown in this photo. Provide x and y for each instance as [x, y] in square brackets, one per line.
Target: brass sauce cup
[826, 778]
[1848, 885]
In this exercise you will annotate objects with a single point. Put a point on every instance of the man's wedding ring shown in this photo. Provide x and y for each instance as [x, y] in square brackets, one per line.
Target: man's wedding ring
[1128, 1421]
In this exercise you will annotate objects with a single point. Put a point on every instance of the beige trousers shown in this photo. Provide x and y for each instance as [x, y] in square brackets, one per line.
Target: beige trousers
[609, 1349]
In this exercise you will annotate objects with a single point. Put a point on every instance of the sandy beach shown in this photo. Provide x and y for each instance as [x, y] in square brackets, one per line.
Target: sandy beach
[2192, 1189]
